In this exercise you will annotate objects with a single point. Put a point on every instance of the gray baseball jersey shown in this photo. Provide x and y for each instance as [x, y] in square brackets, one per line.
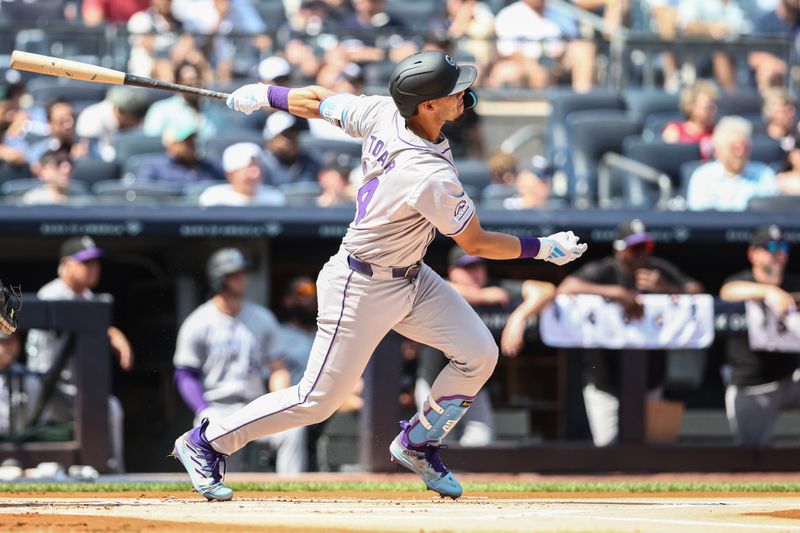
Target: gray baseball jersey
[409, 190]
[233, 353]
[410, 187]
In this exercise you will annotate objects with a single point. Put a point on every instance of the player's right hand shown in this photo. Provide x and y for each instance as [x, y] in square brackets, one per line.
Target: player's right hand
[779, 301]
[248, 98]
[560, 248]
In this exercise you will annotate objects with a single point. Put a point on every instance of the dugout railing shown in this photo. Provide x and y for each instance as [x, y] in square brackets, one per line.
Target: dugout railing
[632, 452]
[87, 323]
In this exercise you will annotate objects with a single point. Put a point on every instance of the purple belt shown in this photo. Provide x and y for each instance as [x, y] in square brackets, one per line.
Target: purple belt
[409, 272]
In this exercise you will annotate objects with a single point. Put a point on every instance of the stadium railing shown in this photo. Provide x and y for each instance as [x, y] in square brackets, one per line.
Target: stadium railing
[87, 323]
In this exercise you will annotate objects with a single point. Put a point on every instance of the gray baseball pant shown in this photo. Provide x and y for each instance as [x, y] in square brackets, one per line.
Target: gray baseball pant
[355, 313]
[752, 411]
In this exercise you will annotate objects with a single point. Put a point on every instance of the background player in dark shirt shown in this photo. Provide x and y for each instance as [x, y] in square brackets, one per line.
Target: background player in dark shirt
[622, 277]
[761, 383]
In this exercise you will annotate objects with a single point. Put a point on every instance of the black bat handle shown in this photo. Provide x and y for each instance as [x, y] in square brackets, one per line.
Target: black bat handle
[139, 81]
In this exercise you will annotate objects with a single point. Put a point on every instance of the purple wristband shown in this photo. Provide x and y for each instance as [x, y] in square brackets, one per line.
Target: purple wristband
[278, 97]
[530, 246]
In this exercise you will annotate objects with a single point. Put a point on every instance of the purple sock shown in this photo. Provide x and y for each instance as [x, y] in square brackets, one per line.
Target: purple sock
[278, 97]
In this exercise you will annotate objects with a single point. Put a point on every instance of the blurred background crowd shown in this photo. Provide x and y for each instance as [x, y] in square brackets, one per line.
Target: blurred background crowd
[68, 142]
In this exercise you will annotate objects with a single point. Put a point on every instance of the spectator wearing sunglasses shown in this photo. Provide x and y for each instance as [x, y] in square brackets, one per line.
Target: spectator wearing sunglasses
[632, 270]
[729, 182]
[760, 384]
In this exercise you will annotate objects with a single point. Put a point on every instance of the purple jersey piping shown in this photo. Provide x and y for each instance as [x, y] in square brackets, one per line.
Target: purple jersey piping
[319, 374]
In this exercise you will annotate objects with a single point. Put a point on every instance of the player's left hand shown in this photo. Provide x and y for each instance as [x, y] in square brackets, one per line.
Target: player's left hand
[248, 98]
[561, 248]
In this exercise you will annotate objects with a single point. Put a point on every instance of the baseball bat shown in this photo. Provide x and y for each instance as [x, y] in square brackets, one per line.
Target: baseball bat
[76, 70]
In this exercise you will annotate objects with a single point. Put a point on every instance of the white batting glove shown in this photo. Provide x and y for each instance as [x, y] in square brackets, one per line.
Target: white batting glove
[560, 248]
[248, 98]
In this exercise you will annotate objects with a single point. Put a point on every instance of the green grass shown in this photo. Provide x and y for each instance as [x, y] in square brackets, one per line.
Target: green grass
[522, 487]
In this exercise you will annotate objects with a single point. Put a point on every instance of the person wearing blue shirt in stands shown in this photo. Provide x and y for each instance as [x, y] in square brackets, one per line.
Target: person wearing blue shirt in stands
[731, 180]
[180, 166]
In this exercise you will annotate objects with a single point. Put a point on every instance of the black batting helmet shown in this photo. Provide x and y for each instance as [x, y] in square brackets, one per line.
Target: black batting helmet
[429, 75]
[222, 263]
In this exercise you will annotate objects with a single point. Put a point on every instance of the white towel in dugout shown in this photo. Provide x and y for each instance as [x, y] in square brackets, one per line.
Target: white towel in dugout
[589, 321]
[767, 332]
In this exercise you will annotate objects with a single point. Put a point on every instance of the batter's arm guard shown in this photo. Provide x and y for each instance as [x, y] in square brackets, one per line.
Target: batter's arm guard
[335, 108]
[437, 419]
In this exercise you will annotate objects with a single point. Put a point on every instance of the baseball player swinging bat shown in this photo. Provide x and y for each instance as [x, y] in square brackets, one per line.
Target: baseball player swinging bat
[408, 190]
[76, 70]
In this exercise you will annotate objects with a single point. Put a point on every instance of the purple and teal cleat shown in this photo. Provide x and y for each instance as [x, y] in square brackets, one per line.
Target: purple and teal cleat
[203, 463]
[425, 462]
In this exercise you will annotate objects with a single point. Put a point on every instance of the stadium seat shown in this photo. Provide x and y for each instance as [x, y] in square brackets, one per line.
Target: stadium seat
[135, 142]
[13, 172]
[17, 188]
[740, 103]
[301, 193]
[215, 146]
[687, 169]
[378, 72]
[473, 172]
[655, 123]
[90, 171]
[416, 15]
[665, 157]
[323, 148]
[125, 192]
[47, 89]
[90, 44]
[765, 149]
[495, 194]
[775, 204]
[641, 103]
[272, 13]
[563, 102]
[591, 135]
[39, 12]
[132, 165]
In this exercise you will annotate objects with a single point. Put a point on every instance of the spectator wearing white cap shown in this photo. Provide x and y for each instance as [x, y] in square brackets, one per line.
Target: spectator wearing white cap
[242, 165]
[284, 159]
[274, 70]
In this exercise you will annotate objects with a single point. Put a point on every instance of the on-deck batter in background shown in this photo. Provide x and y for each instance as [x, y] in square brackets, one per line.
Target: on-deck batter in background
[377, 281]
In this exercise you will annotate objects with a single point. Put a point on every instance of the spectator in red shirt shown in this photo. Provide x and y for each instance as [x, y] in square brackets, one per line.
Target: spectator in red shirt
[96, 12]
[699, 104]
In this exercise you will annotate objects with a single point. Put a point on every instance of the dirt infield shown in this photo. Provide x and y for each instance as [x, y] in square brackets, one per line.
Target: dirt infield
[403, 510]
[286, 513]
